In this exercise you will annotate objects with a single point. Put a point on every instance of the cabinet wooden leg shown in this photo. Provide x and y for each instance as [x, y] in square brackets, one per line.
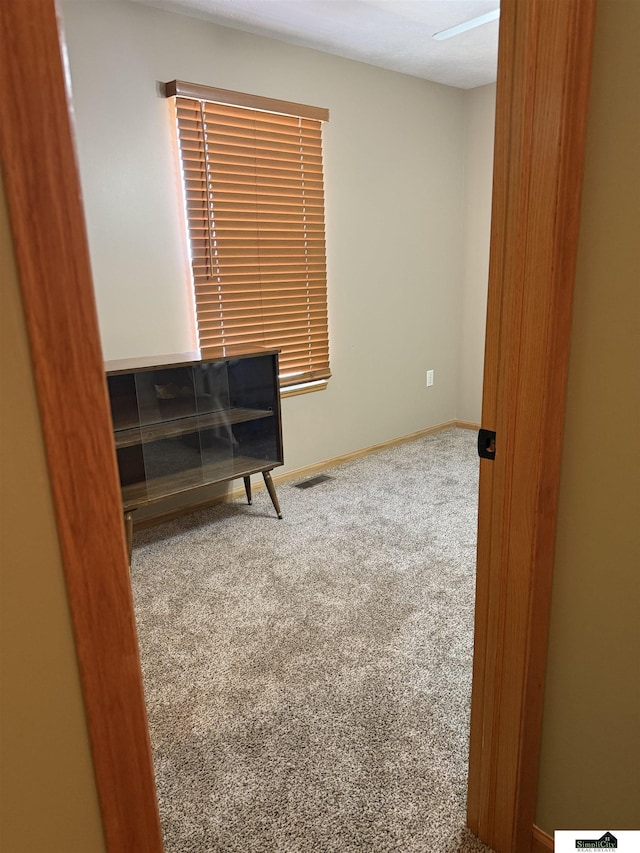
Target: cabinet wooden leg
[247, 488]
[272, 492]
[128, 526]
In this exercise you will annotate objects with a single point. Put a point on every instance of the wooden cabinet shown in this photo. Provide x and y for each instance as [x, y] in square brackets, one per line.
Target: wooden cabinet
[181, 422]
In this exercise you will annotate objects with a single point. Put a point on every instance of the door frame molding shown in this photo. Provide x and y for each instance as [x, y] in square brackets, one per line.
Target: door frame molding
[541, 115]
[47, 221]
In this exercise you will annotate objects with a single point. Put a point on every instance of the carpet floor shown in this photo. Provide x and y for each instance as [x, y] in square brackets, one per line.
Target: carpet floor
[308, 680]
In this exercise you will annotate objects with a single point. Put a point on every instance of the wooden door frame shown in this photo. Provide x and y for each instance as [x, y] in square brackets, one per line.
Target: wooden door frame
[541, 110]
[541, 114]
[47, 221]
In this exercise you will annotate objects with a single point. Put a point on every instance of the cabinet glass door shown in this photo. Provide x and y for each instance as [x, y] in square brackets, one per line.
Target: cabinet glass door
[128, 441]
[216, 420]
[253, 390]
[169, 429]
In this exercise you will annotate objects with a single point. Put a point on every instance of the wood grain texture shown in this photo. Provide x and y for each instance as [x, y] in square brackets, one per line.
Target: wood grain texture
[541, 842]
[50, 244]
[543, 80]
[482, 685]
[242, 99]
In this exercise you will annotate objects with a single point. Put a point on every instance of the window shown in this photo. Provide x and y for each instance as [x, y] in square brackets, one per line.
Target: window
[254, 200]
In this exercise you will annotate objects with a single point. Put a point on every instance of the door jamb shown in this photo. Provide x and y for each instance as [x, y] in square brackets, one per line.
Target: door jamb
[542, 99]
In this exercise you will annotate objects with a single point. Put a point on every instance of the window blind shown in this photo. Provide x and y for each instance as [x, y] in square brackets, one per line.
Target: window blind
[254, 200]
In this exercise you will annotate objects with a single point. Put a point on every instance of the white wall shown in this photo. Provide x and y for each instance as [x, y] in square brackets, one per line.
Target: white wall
[394, 207]
[478, 177]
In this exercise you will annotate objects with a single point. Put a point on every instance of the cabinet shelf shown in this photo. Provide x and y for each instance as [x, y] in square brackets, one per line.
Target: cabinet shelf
[192, 478]
[181, 424]
[145, 434]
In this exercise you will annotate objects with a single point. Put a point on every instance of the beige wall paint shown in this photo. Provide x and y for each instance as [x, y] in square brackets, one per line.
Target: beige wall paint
[393, 152]
[589, 775]
[479, 117]
[47, 790]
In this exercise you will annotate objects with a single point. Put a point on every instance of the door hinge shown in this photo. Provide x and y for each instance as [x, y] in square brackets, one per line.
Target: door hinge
[486, 444]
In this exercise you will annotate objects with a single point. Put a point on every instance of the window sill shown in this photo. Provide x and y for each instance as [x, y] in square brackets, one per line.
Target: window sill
[305, 388]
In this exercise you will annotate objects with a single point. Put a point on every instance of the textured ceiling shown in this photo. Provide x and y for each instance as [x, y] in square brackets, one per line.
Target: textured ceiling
[393, 34]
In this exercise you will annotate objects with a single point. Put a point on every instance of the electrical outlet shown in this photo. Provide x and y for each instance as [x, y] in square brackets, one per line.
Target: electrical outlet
[429, 378]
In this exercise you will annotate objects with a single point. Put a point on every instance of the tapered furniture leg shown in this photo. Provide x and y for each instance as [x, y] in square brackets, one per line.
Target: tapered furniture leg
[272, 492]
[247, 488]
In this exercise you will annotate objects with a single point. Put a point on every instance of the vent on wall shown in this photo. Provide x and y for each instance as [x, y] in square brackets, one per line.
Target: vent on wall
[313, 481]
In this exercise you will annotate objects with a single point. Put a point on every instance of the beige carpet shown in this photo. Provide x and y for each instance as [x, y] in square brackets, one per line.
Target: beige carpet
[308, 680]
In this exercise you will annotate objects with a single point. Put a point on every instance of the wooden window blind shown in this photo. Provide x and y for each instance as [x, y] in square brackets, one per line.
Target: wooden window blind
[254, 198]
